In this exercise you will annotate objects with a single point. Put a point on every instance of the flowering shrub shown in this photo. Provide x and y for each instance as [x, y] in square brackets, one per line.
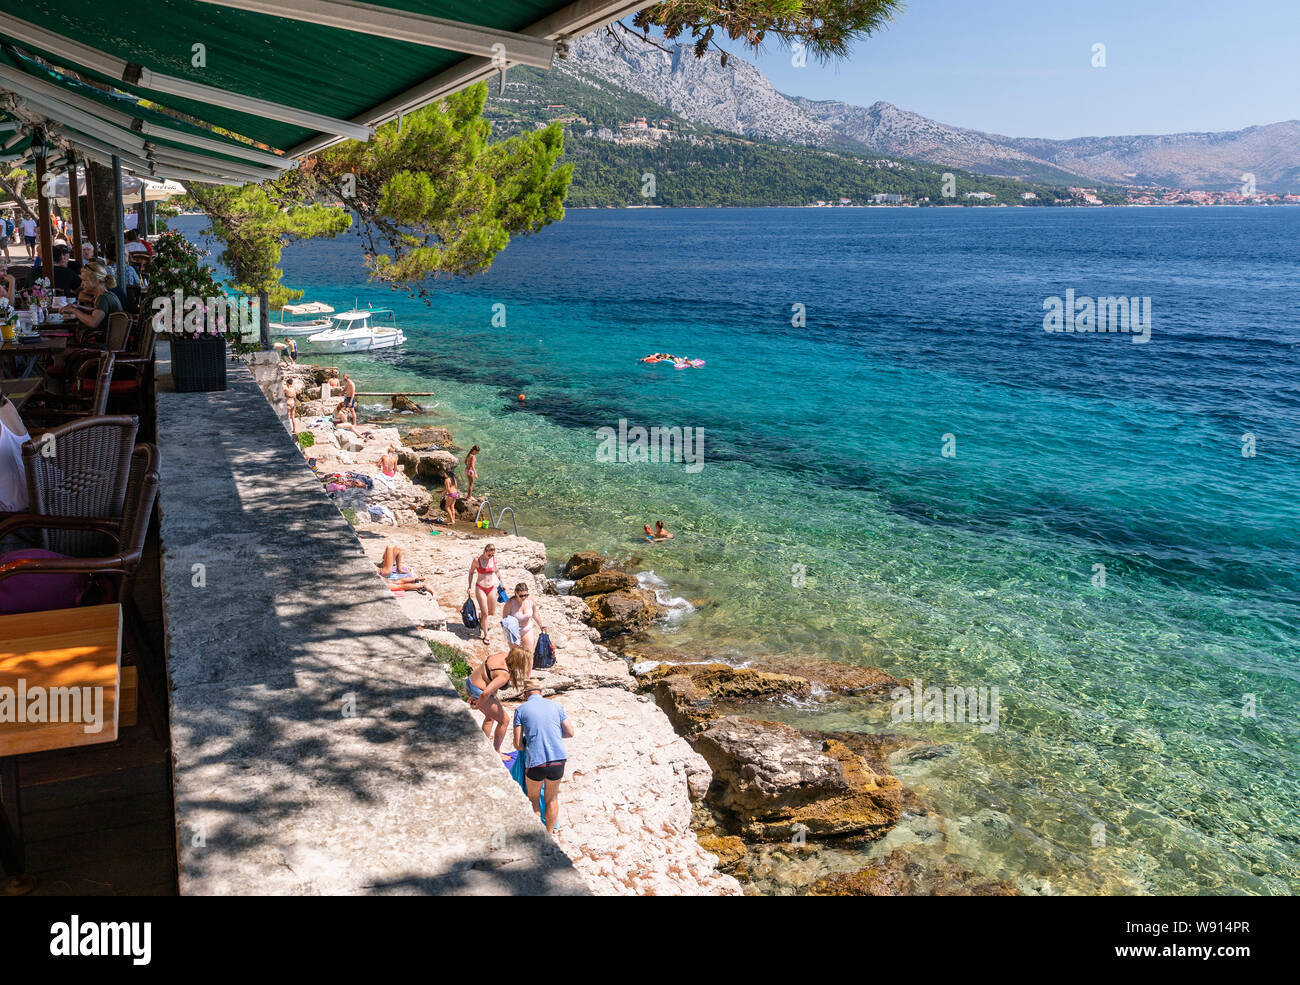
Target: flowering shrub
[178, 266]
[36, 296]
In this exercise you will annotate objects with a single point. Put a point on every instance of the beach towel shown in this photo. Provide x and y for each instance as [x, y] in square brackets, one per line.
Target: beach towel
[388, 481]
[544, 655]
[502, 595]
[510, 626]
[469, 615]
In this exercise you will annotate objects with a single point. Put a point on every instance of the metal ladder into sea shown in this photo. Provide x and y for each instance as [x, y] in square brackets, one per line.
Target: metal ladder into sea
[496, 524]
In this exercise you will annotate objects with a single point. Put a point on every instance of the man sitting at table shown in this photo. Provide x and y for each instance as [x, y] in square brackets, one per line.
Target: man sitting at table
[97, 282]
[63, 275]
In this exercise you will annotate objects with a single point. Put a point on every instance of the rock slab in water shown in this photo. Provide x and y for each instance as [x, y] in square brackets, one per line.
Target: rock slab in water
[774, 780]
[401, 401]
[686, 692]
[625, 611]
[729, 849]
[902, 874]
[603, 582]
[424, 439]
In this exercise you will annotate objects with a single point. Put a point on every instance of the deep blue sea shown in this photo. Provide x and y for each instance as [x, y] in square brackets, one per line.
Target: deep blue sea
[1112, 539]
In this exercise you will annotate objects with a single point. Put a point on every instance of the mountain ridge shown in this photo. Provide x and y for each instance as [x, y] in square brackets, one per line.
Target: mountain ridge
[738, 98]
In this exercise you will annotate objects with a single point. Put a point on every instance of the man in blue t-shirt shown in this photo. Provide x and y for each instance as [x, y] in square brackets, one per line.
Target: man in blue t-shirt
[540, 730]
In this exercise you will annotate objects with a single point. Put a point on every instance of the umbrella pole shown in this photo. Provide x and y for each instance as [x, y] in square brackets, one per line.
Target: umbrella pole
[74, 200]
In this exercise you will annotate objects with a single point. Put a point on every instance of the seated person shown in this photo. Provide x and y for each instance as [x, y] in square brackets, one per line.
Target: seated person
[134, 244]
[97, 284]
[63, 277]
[391, 570]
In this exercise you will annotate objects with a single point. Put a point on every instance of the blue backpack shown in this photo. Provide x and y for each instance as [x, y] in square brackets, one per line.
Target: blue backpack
[544, 655]
[469, 615]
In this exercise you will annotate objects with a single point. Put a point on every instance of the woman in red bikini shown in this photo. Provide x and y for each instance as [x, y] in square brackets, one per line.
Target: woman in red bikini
[483, 587]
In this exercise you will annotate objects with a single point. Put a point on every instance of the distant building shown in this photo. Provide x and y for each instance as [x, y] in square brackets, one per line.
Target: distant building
[1027, 195]
[886, 198]
[846, 201]
[980, 195]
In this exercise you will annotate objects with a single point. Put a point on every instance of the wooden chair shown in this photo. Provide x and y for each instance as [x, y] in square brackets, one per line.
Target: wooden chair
[133, 369]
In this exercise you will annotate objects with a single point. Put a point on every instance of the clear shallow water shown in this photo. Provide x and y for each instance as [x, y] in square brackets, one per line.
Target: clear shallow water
[1121, 705]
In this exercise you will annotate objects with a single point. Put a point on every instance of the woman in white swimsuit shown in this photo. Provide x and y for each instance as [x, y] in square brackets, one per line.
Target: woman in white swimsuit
[521, 607]
[483, 587]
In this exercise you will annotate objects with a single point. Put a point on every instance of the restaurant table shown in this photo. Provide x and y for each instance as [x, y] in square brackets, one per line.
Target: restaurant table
[61, 648]
[25, 357]
[21, 390]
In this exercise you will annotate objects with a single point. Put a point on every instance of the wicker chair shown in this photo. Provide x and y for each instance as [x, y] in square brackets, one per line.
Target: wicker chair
[85, 477]
[113, 564]
[123, 534]
[119, 331]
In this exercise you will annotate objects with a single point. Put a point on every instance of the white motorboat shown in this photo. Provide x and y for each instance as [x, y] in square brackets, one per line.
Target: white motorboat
[320, 323]
[359, 331]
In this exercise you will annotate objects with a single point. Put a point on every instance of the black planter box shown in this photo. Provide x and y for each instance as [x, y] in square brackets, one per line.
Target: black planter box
[198, 363]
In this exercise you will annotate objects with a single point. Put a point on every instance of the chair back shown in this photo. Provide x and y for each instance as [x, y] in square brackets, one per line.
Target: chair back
[119, 327]
[145, 339]
[80, 470]
[103, 382]
[141, 490]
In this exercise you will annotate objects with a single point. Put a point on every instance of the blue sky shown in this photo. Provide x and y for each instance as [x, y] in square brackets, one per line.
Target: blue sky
[1023, 67]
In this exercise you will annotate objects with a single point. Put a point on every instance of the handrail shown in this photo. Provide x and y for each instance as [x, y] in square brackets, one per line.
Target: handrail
[488, 503]
[513, 519]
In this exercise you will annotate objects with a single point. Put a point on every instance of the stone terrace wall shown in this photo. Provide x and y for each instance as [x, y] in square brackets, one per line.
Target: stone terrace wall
[318, 746]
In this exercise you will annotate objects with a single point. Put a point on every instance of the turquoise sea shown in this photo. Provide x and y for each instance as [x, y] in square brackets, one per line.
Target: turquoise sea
[1148, 738]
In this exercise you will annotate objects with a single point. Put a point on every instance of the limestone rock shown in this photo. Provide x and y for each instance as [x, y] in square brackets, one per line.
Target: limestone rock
[603, 582]
[728, 848]
[582, 564]
[902, 873]
[627, 610]
[427, 438]
[429, 465]
[773, 778]
[401, 401]
[686, 692]
[839, 677]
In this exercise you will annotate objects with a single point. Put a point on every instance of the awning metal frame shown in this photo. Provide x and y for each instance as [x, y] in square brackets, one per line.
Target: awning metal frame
[422, 29]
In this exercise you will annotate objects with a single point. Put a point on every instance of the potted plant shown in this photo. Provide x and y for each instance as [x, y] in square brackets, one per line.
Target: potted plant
[8, 321]
[187, 306]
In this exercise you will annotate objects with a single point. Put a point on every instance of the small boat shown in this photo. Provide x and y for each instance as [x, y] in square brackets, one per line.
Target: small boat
[359, 331]
[317, 324]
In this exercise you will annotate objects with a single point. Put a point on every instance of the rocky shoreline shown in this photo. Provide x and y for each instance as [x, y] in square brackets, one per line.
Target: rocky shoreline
[676, 782]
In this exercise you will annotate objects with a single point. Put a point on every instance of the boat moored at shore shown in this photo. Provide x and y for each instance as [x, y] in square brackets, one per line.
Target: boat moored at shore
[359, 331]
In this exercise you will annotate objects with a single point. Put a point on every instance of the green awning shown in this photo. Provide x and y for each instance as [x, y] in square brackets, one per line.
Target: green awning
[290, 76]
